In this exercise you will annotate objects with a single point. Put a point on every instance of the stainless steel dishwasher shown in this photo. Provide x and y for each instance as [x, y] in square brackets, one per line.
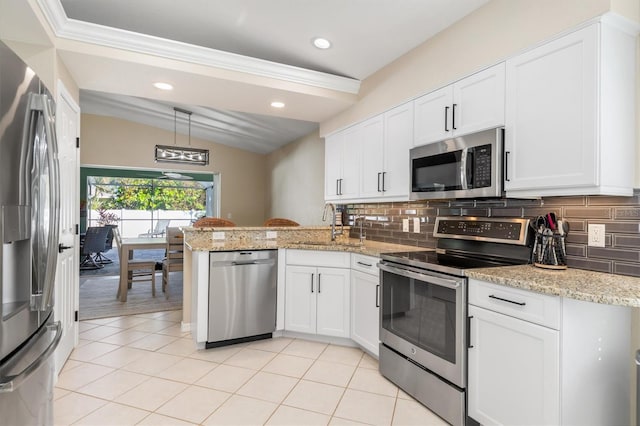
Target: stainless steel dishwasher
[242, 296]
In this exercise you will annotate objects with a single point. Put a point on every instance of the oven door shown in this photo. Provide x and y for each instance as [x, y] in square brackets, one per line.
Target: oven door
[422, 316]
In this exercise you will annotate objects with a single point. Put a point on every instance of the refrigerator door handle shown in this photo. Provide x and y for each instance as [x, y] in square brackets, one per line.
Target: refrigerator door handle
[42, 301]
[11, 383]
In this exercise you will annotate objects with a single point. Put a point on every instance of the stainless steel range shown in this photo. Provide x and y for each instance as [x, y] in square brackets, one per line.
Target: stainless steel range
[423, 315]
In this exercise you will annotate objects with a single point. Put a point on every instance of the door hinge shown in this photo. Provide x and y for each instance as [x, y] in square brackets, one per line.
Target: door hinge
[77, 229]
[78, 142]
[76, 316]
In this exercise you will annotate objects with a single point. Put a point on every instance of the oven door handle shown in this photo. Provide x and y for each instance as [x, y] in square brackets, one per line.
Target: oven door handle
[442, 282]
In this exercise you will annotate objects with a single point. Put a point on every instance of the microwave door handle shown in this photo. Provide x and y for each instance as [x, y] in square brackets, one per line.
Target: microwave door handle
[463, 168]
[442, 282]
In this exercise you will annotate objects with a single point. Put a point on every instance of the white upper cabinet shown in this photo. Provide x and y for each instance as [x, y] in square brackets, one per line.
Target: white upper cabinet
[370, 160]
[385, 154]
[342, 164]
[470, 105]
[570, 111]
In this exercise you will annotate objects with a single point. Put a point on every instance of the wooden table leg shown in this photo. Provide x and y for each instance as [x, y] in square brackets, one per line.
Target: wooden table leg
[124, 266]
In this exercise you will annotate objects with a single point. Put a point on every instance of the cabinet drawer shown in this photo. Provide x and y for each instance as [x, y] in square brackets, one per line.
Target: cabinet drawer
[366, 264]
[526, 305]
[331, 259]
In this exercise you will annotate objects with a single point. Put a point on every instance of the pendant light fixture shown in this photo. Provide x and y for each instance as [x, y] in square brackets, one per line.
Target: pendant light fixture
[174, 153]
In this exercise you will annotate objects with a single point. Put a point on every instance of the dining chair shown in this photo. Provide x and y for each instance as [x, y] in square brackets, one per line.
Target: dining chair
[94, 243]
[173, 261]
[212, 222]
[278, 221]
[138, 270]
[108, 245]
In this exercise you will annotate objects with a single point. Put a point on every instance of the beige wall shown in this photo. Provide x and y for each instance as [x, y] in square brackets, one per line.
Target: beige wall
[107, 141]
[296, 181]
[499, 29]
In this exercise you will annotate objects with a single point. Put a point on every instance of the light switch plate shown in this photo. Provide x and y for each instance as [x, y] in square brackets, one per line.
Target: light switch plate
[416, 225]
[596, 235]
[405, 225]
[272, 235]
[218, 235]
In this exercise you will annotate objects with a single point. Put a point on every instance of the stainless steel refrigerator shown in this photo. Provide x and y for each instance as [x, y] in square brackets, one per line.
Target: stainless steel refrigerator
[29, 226]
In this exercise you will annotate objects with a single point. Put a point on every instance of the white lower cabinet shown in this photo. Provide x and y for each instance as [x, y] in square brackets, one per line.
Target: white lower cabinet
[317, 299]
[545, 360]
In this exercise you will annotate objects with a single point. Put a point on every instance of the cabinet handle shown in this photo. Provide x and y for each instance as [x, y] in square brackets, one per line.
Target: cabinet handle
[340, 187]
[365, 264]
[469, 345]
[319, 275]
[379, 174]
[383, 175]
[378, 296]
[506, 166]
[453, 117]
[337, 187]
[446, 119]
[312, 282]
[507, 300]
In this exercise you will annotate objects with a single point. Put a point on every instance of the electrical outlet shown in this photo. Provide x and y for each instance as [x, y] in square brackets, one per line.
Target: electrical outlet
[405, 225]
[596, 235]
[416, 225]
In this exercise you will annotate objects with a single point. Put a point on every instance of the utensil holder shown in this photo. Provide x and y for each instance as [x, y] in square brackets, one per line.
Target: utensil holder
[549, 251]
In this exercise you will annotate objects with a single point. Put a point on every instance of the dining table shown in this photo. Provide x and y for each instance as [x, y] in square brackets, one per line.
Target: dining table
[127, 247]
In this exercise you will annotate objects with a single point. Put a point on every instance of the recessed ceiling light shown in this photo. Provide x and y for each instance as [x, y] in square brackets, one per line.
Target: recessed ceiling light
[277, 104]
[321, 43]
[162, 86]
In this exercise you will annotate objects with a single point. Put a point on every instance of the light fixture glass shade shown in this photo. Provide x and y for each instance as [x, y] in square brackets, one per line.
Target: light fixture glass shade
[176, 154]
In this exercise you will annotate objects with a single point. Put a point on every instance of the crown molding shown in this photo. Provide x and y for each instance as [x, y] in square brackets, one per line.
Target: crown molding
[71, 29]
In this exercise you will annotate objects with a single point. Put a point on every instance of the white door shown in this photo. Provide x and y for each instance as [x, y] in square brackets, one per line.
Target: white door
[372, 158]
[479, 101]
[365, 319]
[398, 140]
[332, 165]
[351, 147]
[67, 272]
[300, 299]
[432, 116]
[551, 115]
[513, 371]
[332, 318]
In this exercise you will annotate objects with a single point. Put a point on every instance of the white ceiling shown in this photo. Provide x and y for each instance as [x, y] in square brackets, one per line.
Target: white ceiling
[253, 51]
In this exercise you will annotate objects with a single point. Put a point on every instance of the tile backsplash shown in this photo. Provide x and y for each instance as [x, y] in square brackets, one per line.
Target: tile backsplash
[620, 215]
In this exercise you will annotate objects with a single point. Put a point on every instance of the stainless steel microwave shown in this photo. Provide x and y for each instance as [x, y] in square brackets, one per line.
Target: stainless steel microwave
[464, 167]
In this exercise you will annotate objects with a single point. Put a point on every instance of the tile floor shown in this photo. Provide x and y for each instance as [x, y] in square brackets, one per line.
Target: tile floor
[142, 369]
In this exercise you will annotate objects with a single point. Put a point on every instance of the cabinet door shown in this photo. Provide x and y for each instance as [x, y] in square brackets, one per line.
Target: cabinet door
[300, 299]
[551, 115]
[432, 116]
[333, 305]
[365, 317]
[478, 101]
[371, 157]
[513, 371]
[398, 138]
[351, 149]
[332, 165]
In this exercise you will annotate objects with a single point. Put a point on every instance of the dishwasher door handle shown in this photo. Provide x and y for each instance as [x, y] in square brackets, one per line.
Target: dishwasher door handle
[251, 262]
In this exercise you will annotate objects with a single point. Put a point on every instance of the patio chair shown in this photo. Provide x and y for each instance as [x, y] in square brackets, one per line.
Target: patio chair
[159, 230]
[174, 258]
[94, 243]
[139, 270]
[108, 245]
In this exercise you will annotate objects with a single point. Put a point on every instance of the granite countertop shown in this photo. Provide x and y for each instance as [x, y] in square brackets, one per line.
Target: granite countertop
[576, 284]
[353, 245]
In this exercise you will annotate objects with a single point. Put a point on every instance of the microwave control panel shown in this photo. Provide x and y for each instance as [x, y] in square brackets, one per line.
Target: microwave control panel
[482, 166]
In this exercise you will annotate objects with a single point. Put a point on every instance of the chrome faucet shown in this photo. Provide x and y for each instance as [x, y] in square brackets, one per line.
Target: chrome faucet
[334, 233]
